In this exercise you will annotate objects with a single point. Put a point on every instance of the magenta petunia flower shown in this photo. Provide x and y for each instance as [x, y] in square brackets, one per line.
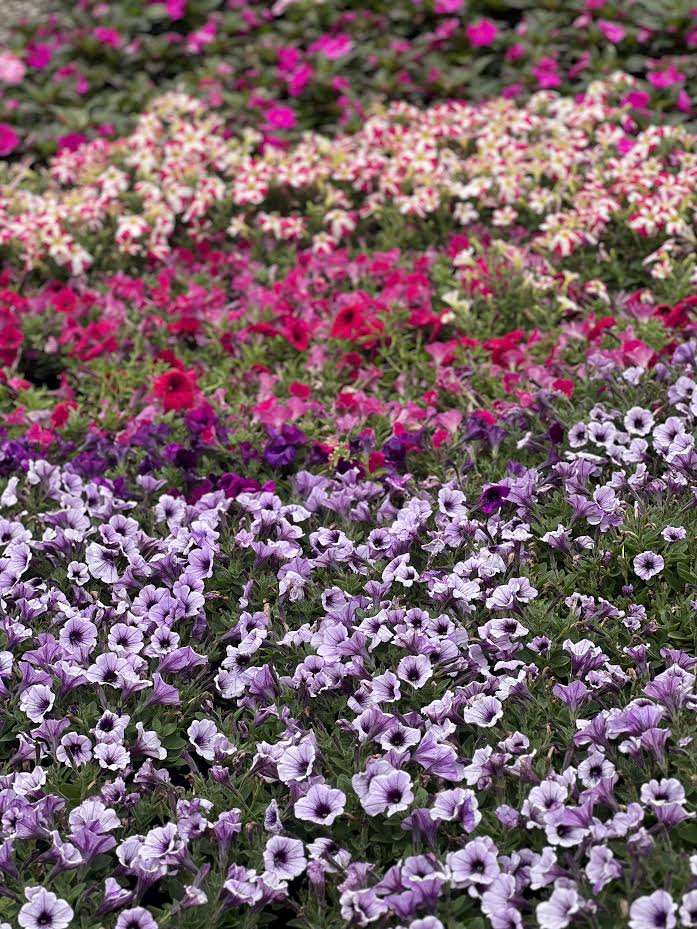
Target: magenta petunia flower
[481, 33]
[9, 140]
[613, 32]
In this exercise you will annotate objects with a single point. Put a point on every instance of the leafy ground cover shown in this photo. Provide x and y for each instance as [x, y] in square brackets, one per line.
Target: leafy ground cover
[348, 481]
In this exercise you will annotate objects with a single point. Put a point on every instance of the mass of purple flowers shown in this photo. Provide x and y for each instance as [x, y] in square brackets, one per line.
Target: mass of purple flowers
[360, 701]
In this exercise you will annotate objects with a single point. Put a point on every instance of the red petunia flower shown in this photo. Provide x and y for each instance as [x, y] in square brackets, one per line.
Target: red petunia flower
[64, 300]
[349, 322]
[176, 390]
[61, 413]
[297, 332]
[563, 385]
[297, 389]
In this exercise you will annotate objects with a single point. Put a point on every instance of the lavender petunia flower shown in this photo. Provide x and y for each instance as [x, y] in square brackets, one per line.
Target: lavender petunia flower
[602, 867]
[44, 910]
[483, 711]
[648, 564]
[242, 886]
[388, 793]
[415, 670]
[557, 912]
[284, 859]
[688, 909]
[135, 918]
[321, 804]
[672, 534]
[475, 864]
[517, 590]
[458, 805]
[296, 762]
[638, 421]
[655, 911]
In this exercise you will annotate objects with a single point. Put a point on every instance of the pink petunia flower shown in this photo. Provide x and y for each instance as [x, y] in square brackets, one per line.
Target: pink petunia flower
[9, 140]
[665, 78]
[332, 47]
[280, 117]
[107, 36]
[12, 68]
[39, 56]
[481, 33]
[613, 32]
[176, 8]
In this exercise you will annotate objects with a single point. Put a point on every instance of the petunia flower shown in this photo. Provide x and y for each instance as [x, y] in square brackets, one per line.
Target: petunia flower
[44, 910]
[654, 911]
[647, 565]
[284, 859]
[321, 804]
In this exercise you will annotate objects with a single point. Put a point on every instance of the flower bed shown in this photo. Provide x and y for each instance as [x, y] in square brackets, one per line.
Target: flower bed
[412, 291]
[363, 700]
[347, 492]
[281, 68]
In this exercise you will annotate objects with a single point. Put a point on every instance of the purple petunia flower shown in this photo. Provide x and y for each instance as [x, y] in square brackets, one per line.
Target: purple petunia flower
[415, 670]
[78, 636]
[674, 534]
[284, 859]
[557, 912]
[475, 864]
[242, 886]
[458, 805]
[688, 909]
[648, 564]
[36, 701]
[655, 911]
[483, 711]
[506, 596]
[44, 910]
[135, 918]
[666, 791]
[388, 793]
[296, 762]
[321, 804]
[93, 815]
[602, 867]
[638, 421]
